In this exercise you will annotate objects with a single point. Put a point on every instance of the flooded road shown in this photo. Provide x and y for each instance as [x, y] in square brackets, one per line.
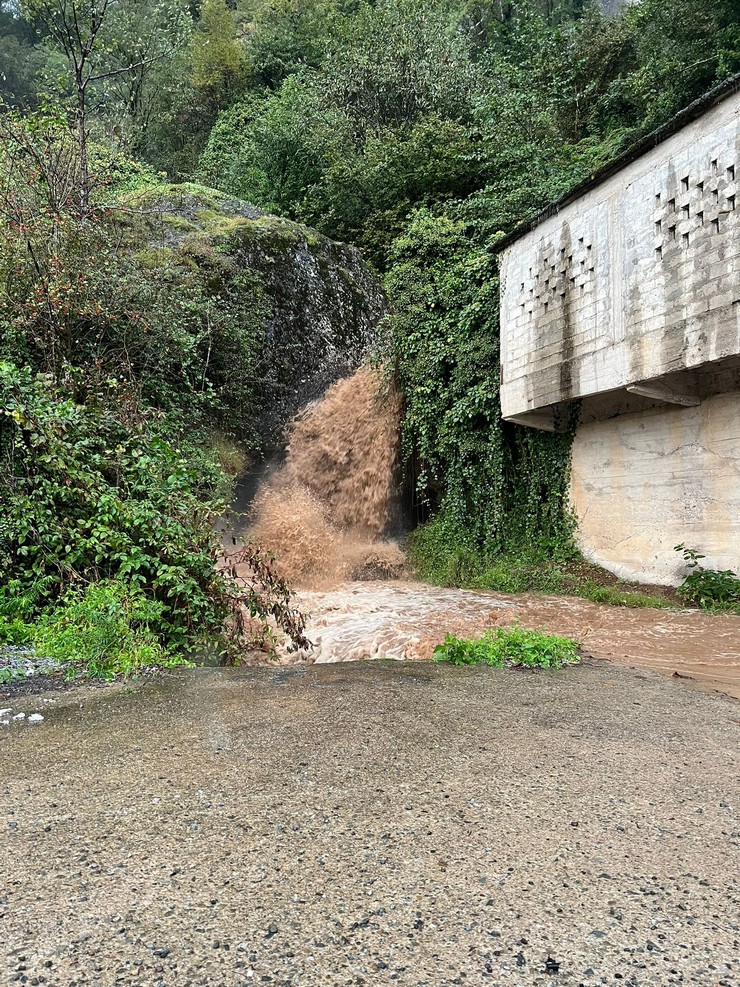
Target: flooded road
[373, 823]
[405, 620]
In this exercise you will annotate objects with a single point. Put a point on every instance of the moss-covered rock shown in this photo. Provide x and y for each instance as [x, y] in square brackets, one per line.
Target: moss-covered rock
[321, 303]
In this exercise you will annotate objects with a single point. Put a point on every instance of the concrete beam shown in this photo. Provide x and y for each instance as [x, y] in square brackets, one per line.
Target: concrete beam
[542, 419]
[683, 393]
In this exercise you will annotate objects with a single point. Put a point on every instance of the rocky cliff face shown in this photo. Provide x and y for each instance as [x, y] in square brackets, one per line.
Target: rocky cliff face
[320, 303]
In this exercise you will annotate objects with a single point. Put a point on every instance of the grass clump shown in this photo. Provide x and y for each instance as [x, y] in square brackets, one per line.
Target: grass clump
[619, 596]
[515, 646]
[106, 629]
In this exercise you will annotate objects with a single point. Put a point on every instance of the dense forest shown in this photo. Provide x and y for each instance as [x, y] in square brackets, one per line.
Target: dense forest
[419, 131]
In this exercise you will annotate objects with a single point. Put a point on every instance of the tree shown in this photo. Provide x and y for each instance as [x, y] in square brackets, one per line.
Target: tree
[84, 31]
[75, 28]
[19, 61]
[400, 60]
[219, 60]
[141, 39]
[287, 36]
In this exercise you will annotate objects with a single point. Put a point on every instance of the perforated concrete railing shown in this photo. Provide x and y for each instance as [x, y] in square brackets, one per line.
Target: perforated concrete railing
[698, 210]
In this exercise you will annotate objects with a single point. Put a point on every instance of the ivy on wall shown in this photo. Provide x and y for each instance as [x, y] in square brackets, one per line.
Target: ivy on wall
[497, 487]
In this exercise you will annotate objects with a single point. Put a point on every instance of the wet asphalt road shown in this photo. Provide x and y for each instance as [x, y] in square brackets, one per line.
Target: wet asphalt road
[376, 823]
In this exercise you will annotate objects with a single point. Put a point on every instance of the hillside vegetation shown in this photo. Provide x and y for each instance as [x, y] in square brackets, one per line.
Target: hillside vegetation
[133, 349]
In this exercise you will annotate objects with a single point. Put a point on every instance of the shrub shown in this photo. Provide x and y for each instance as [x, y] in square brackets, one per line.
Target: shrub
[108, 628]
[14, 630]
[440, 557]
[510, 646]
[710, 589]
[118, 363]
[16, 612]
[87, 495]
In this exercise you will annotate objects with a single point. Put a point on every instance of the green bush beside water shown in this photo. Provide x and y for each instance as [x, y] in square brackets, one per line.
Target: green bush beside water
[510, 646]
[127, 396]
[717, 590]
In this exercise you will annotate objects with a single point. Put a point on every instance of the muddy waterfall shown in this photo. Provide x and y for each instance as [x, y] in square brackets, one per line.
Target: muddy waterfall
[327, 511]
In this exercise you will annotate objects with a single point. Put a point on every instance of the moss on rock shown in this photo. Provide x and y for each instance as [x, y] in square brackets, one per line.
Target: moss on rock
[318, 302]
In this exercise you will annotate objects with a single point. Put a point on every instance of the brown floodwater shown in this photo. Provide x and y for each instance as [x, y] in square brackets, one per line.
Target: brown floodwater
[326, 512]
[406, 620]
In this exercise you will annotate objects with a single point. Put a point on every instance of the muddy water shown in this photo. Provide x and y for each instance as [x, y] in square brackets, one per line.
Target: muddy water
[406, 620]
[326, 514]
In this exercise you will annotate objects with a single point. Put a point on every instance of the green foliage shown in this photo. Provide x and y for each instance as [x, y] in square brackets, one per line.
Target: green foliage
[124, 175]
[508, 108]
[17, 609]
[106, 629]
[126, 345]
[109, 55]
[218, 57]
[21, 63]
[497, 485]
[226, 163]
[14, 630]
[400, 61]
[106, 532]
[160, 72]
[710, 589]
[272, 151]
[441, 557]
[183, 333]
[283, 37]
[510, 646]
[89, 496]
[680, 49]
[353, 146]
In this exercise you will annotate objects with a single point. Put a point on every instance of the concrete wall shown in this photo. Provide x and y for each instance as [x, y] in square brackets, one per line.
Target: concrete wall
[637, 279]
[642, 483]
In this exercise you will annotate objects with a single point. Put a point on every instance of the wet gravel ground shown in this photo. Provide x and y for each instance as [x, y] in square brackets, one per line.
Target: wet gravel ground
[22, 662]
[377, 823]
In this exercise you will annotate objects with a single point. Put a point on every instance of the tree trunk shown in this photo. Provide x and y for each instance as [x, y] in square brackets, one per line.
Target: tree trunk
[82, 143]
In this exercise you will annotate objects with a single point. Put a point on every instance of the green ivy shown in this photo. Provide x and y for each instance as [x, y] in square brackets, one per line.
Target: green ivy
[495, 486]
